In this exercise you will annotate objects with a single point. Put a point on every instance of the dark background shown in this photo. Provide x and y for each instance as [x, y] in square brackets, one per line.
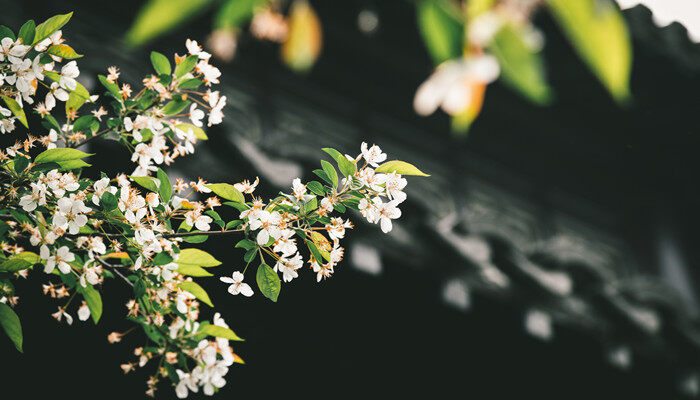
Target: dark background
[630, 172]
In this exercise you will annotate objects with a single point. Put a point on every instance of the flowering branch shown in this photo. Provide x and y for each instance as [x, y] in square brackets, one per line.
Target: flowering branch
[56, 219]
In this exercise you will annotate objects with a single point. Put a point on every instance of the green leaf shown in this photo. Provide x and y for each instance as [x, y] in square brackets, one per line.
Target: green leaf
[441, 29]
[219, 331]
[159, 16]
[226, 191]
[198, 132]
[19, 262]
[6, 32]
[16, 110]
[400, 167]
[235, 13]
[598, 32]
[197, 257]
[26, 32]
[321, 174]
[314, 251]
[51, 25]
[175, 106]
[62, 50]
[109, 201]
[94, 302]
[77, 98]
[195, 239]
[246, 244]
[72, 164]
[193, 83]
[196, 291]
[160, 63]
[521, 66]
[85, 123]
[268, 282]
[193, 270]
[147, 182]
[10, 323]
[346, 167]
[60, 154]
[185, 66]
[330, 172]
[310, 205]
[316, 188]
[111, 87]
[21, 163]
[165, 188]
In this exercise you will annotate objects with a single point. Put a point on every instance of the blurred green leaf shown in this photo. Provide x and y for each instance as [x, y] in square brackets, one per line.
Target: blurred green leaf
[441, 31]
[303, 44]
[599, 34]
[235, 13]
[521, 66]
[160, 16]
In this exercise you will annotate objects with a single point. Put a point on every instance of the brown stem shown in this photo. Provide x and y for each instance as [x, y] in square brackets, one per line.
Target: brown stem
[95, 136]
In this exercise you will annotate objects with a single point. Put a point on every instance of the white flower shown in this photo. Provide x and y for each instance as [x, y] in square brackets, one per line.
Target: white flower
[69, 215]
[336, 230]
[187, 381]
[237, 284]
[299, 190]
[210, 72]
[372, 180]
[453, 83]
[373, 155]
[268, 223]
[196, 115]
[246, 186]
[198, 220]
[285, 243]
[387, 212]
[90, 276]
[69, 72]
[101, 187]
[83, 312]
[394, 186]
[196, 50]
[165, 271]
[216, 114]
[61, 259]
[370, 209]
[55, 38]
[30, 202]
[289, 267]
[62, 313]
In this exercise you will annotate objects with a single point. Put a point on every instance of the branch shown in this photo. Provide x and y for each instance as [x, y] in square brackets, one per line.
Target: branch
[95, 136]
[166, 235]
[114, 269]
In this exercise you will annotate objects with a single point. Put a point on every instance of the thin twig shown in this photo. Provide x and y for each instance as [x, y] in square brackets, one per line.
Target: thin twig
[114, 269]
[95, 136]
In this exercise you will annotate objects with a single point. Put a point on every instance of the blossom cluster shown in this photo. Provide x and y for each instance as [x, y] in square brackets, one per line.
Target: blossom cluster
[80, 230]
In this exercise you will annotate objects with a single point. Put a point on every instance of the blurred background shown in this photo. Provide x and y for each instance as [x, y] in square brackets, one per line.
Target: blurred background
[551, 254]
